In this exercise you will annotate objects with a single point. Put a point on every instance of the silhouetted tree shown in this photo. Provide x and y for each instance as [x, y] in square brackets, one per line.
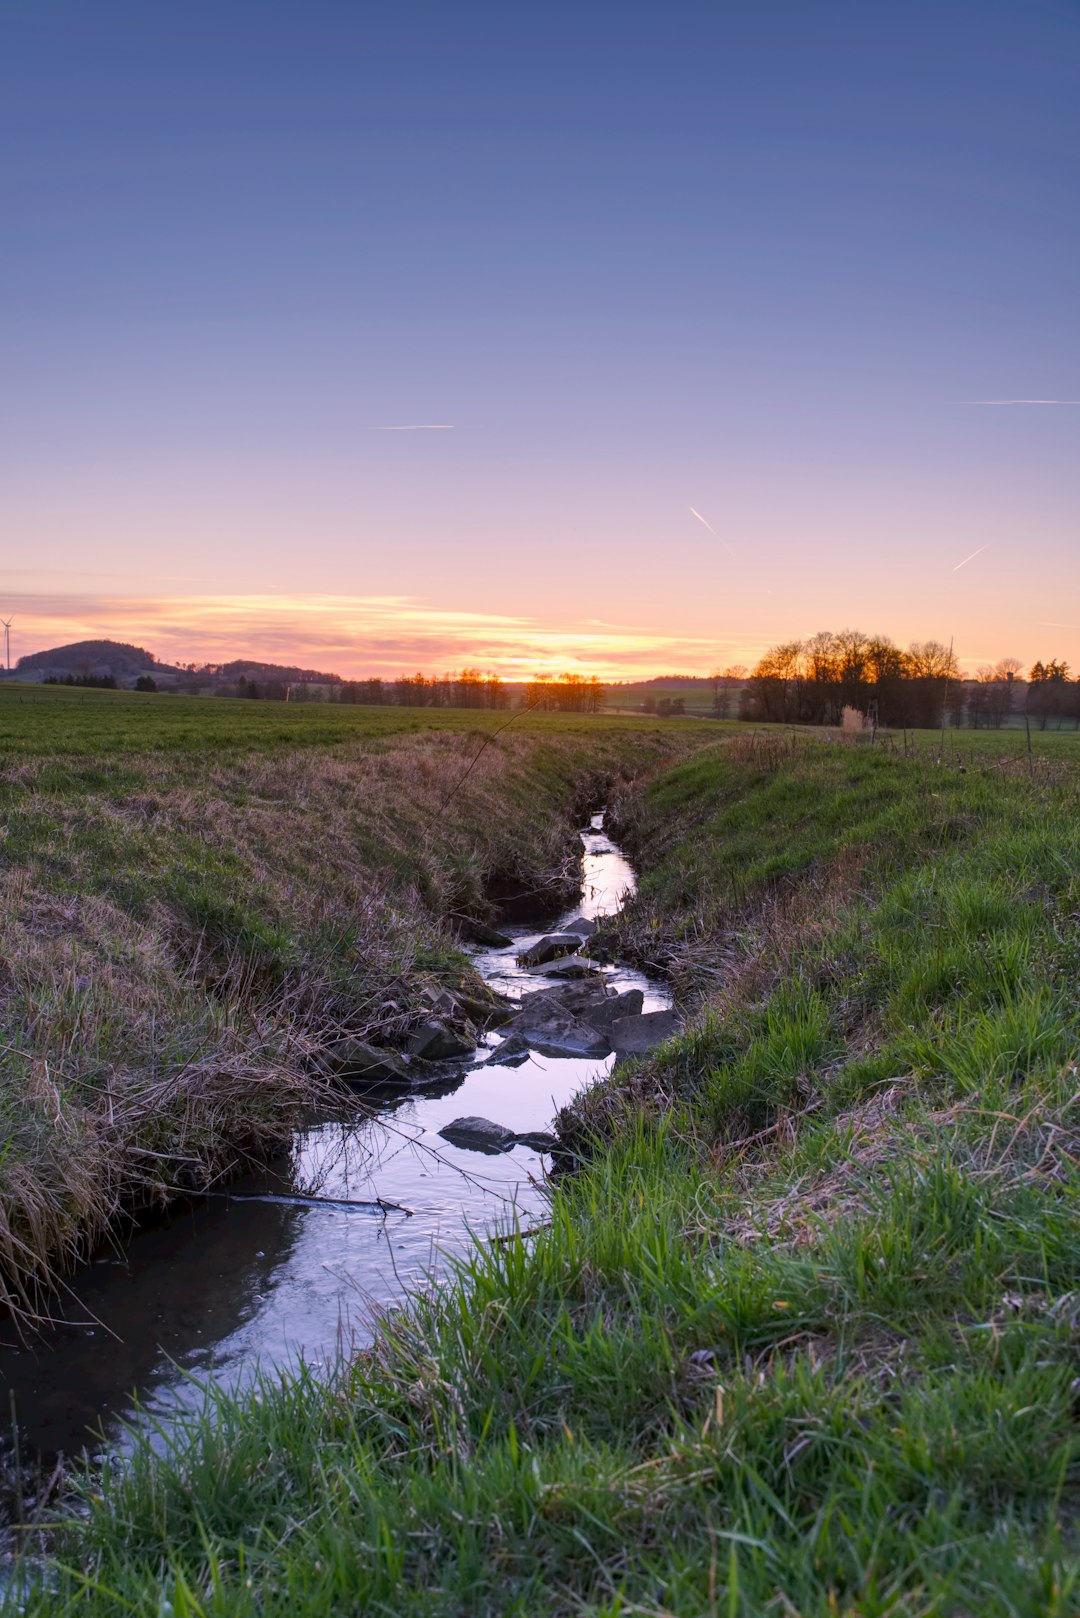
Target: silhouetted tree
[1048, 693]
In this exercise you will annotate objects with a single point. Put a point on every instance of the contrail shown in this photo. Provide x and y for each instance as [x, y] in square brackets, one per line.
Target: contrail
[419, 427]
[968, 559]
[708, 524]
[1023, 401]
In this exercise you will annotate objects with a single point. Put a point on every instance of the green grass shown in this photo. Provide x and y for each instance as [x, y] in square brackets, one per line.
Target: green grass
[58, 721]
[197, 897]
[802, 1333]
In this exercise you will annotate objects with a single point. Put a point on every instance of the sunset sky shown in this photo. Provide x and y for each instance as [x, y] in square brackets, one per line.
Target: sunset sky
[621, 337]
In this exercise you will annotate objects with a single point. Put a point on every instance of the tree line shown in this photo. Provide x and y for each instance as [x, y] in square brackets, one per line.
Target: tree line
[569, 693]
[812, 682]
[468, 689]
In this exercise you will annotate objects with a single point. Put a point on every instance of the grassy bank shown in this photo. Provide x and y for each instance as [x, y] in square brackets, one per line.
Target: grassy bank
[198, 899]
[802, 1335]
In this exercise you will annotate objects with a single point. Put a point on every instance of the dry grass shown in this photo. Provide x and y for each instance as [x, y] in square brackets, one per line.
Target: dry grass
[1041, 1145]
[183, 934]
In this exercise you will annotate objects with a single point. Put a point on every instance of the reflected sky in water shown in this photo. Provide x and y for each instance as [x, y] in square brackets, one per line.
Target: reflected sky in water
[225, 1286]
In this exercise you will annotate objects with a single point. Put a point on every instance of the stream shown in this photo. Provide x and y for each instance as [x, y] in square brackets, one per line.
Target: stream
[223, 1287]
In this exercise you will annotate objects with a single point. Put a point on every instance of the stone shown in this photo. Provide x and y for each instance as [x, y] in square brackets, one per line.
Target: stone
[572, 995]
[437, 1042]
[487, 1013]
[537, 1140]
[357, 1062]
[633, 1036]
[549, 948]
[555, 1023]
[438, 1001]
[603, 1014]
[511, 1053]
[581, 925]
[568, 1036]
[480, 933]
[571, 966]
[479, 1135]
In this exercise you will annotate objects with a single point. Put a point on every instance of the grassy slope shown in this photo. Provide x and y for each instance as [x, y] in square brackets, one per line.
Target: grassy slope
[802, 1335]
[197, 896]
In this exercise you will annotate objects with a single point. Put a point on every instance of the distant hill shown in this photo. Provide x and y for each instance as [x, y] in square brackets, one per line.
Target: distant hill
[664, 682]
[126, 662]
[694, 690]
[114, 657]
[270, 671]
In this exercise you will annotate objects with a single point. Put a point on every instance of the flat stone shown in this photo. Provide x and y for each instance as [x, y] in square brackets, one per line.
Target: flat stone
[436, 1042]
[488, 1013]
[357, 1062]
[511, 1053]
[478, 932]
[554, 1028]
[568, 1036]
[633, 1036]
[571, 966]
[572, 996]
[581, 925]
[438, 1001]
[604, 1014]
[537, 1140]
[479, 1135]
[549, 948]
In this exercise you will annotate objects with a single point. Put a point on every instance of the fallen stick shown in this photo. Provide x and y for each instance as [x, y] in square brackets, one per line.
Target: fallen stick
[323, 1202]
[509, 1235]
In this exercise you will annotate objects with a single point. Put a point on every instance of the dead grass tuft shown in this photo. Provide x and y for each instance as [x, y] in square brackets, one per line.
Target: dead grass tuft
[183, 936]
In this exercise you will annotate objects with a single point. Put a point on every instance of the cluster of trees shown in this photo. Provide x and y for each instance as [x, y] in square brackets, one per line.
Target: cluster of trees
[664, 707]
[469, 689]
[727, 686]
[95, 682]
[991, 696]
[811, 682]
[570, 693]
[1052, 694]
[266, 690]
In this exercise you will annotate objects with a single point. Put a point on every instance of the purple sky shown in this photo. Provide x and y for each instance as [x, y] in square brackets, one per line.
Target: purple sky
[786, 265]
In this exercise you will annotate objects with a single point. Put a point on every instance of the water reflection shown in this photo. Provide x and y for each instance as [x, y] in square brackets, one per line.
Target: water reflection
[225, 1286]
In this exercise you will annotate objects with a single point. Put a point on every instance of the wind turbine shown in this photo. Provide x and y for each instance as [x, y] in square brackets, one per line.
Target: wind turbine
[7, 642]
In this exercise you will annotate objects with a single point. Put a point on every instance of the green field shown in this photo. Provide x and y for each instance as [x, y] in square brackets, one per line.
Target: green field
[197, 897]
[60, 720]
[802, 1334]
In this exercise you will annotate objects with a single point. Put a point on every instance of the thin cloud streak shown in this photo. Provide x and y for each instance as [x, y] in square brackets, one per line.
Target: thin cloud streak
[968, 559]
[1022, 401]
[419, 427]
[705, 520]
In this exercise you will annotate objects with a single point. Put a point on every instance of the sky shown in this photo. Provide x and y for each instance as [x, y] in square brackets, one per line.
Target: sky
[622, 337]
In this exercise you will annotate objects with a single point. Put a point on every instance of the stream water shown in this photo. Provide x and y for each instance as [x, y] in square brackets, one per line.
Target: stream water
[226, 1286]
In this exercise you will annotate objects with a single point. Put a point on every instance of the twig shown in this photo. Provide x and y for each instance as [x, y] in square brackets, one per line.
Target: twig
[512, 1235]
[487, 741]
[381, 1203]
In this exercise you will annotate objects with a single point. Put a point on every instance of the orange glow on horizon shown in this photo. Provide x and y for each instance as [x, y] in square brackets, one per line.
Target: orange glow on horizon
[364, 637]
[358, 637]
